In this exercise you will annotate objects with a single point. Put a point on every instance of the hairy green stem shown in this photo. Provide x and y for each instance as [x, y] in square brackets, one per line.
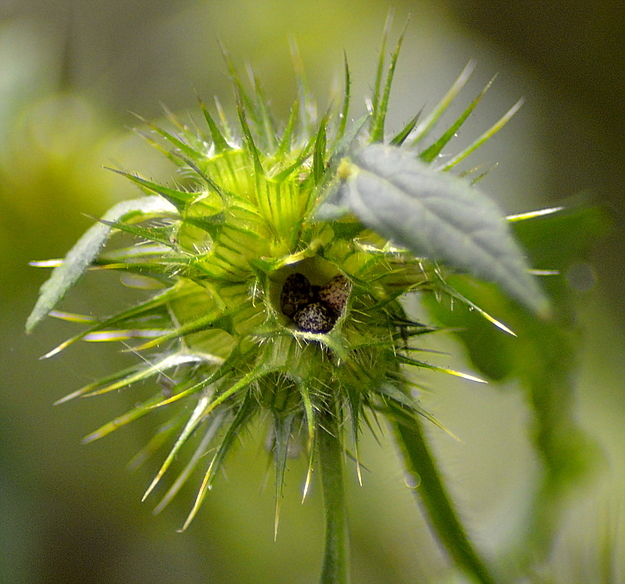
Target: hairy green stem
[336, 557]
[433, 496]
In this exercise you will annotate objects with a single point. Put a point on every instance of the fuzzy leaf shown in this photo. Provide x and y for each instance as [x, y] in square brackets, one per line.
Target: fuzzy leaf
[437, 216]
[86, 249]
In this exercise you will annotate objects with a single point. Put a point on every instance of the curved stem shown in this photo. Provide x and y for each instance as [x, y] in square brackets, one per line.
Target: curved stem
[433, 496]
[336, 557]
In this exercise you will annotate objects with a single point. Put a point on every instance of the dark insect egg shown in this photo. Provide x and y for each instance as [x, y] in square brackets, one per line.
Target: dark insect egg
[315, 318]
[335, 293]
[296, 293]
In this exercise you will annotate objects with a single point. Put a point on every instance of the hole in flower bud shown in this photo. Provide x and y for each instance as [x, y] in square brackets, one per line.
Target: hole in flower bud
[314, 308]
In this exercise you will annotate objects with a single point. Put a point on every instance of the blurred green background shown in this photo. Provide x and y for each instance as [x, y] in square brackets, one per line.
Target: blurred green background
[71, 73]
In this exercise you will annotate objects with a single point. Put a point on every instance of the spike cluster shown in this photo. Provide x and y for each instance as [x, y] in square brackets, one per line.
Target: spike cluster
[261, 307]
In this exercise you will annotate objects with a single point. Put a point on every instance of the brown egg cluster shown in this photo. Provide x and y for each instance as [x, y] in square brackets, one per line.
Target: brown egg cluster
[315, 309]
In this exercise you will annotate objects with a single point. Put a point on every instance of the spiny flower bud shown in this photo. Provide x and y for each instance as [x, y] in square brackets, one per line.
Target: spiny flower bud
[279, 277]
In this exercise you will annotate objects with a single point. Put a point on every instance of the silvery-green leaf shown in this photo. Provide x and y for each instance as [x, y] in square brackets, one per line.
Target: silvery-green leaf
[334, 205]
[438, 216]
[64, 276]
